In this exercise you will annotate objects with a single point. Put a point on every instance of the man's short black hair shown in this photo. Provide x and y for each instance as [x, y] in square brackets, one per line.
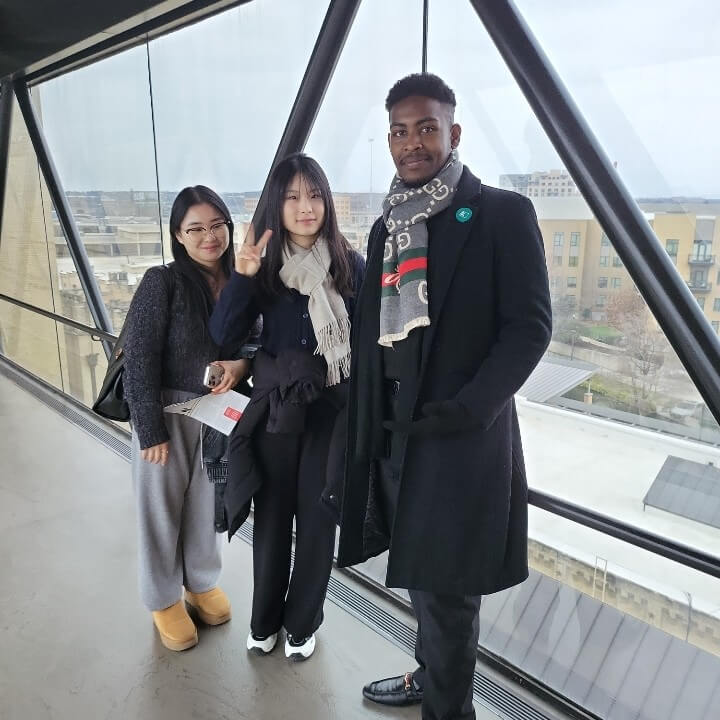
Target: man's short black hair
[422, 84]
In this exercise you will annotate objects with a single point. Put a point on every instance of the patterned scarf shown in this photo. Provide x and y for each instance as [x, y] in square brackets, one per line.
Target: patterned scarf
[404, 301]
[307, 271]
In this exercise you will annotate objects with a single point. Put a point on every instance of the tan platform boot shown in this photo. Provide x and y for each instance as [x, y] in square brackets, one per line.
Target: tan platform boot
[212, 606]
[177, 630]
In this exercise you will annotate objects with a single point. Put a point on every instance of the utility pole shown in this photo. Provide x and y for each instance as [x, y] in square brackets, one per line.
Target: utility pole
[370, 143]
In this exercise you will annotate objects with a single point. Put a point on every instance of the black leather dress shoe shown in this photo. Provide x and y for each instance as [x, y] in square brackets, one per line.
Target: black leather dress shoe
[400, 690]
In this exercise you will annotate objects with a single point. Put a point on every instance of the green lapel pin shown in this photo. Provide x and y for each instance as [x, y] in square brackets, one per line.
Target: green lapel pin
[463, 214]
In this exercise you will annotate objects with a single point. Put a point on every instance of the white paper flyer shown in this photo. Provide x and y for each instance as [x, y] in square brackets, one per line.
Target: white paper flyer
[219, 411]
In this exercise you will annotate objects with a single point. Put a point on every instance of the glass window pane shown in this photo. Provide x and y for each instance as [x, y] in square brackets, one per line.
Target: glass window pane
[35, 263]
[36, 266]
[83, 364]
[116, 286]
[349, 139]
[24, 259]
[645, 78]
[628, 592]
[68, 359]
[98, 126]
[31, 341]
[222, 92]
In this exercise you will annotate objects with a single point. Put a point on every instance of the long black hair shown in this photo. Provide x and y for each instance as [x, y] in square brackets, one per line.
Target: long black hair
[314, 177]
[195, 273]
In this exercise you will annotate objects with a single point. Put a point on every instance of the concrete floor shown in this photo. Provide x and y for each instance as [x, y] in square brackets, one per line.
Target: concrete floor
[75, 642]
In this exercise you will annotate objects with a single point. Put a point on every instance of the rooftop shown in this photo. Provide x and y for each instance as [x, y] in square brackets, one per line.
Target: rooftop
[609, 468]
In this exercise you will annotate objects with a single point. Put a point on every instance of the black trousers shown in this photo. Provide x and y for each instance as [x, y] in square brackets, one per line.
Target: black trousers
[293, 479]
[448, 629]
[445, 649]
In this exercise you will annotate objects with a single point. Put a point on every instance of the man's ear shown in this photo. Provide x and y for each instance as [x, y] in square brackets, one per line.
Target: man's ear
[455, 132]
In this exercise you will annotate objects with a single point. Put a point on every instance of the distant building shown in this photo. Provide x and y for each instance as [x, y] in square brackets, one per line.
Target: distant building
[251, 202]
[342, 208]
[547, 183]
[584, 267]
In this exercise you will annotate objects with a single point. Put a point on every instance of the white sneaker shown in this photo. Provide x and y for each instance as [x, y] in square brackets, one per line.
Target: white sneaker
[261, 645]
[299, 651]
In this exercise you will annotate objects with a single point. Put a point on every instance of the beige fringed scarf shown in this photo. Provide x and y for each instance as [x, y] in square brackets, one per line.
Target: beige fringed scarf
[307, 271]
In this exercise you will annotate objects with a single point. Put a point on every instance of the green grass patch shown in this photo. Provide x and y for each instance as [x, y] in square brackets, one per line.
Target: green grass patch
[604, 333]
[612, 394]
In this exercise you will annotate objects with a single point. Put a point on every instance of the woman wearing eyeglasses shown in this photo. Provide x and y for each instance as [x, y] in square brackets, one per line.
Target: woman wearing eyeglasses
[304, 285]
[168, 346]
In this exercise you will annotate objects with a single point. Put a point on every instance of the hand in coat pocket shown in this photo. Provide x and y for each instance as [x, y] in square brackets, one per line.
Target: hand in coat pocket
[438, 418]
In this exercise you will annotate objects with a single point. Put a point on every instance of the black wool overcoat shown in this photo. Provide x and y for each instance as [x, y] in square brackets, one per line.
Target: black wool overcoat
[461, 520]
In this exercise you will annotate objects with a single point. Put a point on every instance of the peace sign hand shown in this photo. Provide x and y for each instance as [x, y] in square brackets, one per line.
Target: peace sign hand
[249, 255]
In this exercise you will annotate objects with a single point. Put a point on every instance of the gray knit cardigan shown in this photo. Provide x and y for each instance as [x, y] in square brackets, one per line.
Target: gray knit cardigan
[167, 345]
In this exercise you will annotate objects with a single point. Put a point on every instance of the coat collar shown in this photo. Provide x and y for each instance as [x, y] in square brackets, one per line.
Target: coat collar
[446, 240]
[367, 435]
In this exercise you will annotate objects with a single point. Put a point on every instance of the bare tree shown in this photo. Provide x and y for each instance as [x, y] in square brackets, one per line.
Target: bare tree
[564, 318]
[644, 342]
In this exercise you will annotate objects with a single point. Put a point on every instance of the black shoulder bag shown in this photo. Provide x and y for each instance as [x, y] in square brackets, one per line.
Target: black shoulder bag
[111, 402]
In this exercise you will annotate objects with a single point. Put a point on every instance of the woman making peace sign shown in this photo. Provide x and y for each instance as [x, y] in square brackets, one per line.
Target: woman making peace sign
[304, 287]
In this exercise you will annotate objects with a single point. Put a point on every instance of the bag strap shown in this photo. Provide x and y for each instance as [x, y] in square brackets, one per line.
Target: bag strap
[169, 280]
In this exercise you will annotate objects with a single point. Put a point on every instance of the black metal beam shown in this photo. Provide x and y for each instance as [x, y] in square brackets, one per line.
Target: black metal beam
[62, 208]
[426, 12]
[170, 21]
[99, 334]
[6, 96]
[683, 554]
[321, 66]
[665, 292]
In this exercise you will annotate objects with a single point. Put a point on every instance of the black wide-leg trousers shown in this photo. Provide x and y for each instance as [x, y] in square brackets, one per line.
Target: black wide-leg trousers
[447, 632]
[294, 469]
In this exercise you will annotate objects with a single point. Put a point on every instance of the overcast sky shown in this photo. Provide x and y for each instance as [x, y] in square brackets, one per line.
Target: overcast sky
[644, 74]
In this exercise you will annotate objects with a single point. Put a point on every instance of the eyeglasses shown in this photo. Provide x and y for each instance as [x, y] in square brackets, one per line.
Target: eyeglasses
[218, 230]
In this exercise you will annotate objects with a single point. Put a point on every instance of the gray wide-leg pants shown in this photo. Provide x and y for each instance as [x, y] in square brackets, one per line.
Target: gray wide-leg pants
[177, 542]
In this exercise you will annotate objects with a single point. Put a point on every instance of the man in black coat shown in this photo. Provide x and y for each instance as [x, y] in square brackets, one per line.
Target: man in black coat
[453, 316]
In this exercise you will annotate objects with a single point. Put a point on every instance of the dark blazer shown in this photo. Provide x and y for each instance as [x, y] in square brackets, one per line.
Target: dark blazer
[461, 520]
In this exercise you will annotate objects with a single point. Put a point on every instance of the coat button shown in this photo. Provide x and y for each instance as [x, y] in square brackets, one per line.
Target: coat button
[305, 315]
[304, 341]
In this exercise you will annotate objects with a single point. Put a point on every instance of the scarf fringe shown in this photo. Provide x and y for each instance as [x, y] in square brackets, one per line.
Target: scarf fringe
[388, 340]
[337, 370]
[333, 334]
